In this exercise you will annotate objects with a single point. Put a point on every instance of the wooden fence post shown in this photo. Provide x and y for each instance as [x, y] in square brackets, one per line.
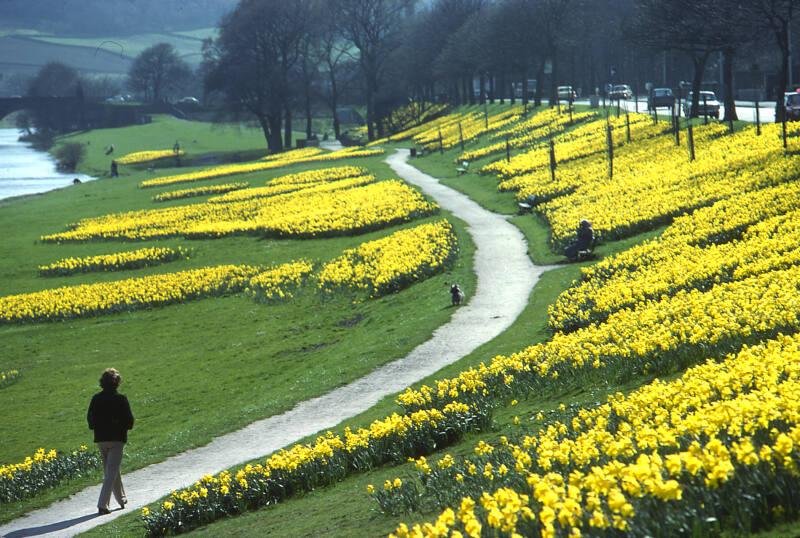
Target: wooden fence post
[508, 150]
[460, 136]
[441, 146]
[691, 141]
[610, 140]
[628, 125]
[758, 120]
[553, 162]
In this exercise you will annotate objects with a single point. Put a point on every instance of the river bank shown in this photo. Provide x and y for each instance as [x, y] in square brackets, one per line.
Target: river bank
[25, 171]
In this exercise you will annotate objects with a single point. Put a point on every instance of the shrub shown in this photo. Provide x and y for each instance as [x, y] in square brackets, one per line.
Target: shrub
[69, 156]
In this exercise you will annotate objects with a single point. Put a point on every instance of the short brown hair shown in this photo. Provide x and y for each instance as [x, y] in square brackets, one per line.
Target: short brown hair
[110, 378]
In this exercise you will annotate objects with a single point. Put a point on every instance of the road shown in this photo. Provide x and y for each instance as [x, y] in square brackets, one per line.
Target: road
[744, 109]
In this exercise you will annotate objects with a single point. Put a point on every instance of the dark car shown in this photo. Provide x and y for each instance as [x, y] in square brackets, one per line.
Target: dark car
[792, 104]
[706, 106]
[620, 91]
[660, 98]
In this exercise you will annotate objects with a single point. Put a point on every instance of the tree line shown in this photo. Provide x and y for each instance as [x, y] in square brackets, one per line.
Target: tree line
[273, 60]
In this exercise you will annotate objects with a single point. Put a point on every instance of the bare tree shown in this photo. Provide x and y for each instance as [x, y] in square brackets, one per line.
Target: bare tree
[681, 25]
[776, 16]
[372, 27]
[331, 53]
[156, 70]
[249, 64]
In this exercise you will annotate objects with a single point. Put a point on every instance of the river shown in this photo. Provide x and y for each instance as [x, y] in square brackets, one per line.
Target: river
[24, 170]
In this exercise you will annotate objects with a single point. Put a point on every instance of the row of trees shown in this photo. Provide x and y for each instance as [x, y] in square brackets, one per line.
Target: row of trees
[271, 55]
[274, 57]
[700, 28]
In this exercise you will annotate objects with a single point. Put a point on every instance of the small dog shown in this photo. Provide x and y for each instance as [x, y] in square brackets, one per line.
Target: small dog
[456, 295]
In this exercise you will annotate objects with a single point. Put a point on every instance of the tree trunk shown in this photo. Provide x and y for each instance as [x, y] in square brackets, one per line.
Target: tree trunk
[370, 111]
[492, 88]
[482, 89]
[699, 62]
[501, 84]
[524, 87]
[537, 99]
[268, 128]
[554, 79]
[334, 106]
[307, 104]
[727, 76]
[783, 75]
[287, 127]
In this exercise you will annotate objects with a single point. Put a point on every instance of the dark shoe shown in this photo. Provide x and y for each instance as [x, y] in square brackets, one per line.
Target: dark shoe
[122, 505]
[103, 511]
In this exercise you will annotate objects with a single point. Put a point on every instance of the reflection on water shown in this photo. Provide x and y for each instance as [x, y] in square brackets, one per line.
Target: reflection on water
[26, 171]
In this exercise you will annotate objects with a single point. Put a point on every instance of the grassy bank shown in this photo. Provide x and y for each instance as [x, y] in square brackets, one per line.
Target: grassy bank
[345, 509]
[197, 370]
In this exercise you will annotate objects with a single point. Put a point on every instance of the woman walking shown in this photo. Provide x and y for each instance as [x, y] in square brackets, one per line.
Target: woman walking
[110, 417]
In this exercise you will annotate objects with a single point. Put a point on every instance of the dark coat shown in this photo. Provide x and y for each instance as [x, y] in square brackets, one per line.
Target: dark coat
[585, 238]
[110, 416]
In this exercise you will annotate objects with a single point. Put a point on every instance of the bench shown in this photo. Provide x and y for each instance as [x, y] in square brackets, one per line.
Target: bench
[463, 168]
[526, 206]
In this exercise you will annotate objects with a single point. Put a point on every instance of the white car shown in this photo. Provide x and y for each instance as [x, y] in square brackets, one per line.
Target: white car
[566, 93]
[792, 104]
[707, 105]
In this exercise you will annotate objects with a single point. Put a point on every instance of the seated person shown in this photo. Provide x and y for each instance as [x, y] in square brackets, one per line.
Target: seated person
[584, 241]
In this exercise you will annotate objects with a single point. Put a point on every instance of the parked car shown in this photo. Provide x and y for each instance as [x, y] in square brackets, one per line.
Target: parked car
[517, 87]
[566, 93]
[189, 101]
[707, 105]
[792, 104]
[620, 91]
[660, 98]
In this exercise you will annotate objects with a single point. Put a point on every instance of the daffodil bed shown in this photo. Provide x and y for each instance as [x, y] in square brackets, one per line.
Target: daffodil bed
[199, 191]
[279, 283]
[653, 179]
[529, 132]
[721, 286]
[7, 377]
[44, 469]
[83, 351]
[147, 156]
[124, 295]
[453, 129]
[661, 460]
[396, 261]
[134, 259]
[320, 209]
[268, 163]
[304, 467]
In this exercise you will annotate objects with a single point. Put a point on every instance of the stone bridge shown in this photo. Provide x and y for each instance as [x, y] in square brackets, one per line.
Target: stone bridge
[12, 104]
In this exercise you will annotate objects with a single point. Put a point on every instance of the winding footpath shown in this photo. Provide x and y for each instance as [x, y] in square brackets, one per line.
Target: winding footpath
[505, 277]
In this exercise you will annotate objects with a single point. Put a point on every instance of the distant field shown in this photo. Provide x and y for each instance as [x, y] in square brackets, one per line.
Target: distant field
[188, 46]
[24, 51]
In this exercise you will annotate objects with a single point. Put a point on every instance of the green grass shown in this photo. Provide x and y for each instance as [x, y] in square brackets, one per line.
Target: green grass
[198, 370]
[344, 509]
[196, 138]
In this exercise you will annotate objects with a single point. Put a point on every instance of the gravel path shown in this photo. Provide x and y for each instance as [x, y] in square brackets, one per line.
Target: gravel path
[506, 277]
